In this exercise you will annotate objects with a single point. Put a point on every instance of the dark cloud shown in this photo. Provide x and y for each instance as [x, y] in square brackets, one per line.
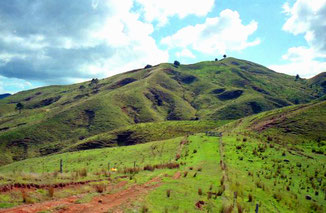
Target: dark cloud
[33, 35]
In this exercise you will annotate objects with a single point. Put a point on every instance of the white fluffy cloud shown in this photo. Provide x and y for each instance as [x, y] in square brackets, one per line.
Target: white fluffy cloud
[216, 35]
[161, 10]
[307, 18]
[301, 60]
[185, 53]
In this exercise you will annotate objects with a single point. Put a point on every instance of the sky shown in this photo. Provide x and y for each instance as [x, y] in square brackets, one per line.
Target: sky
[46, 42]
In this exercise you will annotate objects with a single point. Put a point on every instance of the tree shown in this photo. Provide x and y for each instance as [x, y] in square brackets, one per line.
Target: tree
[297, 77]
[224, 56]
[216, 59]
[176, 63]
[94, 81]
[19, 106]
[148, 66]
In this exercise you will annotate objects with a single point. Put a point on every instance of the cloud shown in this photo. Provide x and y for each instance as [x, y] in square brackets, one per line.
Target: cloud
[160, 11]
[216, 35]
[64, 42]
[185, 53]
[307, 18]
[302, 61]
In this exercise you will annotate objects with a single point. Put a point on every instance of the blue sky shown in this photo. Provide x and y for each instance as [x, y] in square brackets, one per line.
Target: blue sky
[44, 42]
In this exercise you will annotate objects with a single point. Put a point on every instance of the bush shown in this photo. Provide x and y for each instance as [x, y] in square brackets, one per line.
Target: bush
[200, 191]
[168, 192]
[82, 172]
[100, 188]
[250, 198]
[176, 63]
[149, 168]
[148, 66]
[51, 191]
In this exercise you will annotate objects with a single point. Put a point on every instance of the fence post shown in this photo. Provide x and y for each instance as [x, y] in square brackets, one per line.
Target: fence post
[257, 206]
[61, 164]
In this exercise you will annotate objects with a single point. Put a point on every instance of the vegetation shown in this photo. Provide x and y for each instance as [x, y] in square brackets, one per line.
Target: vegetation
[218, 136]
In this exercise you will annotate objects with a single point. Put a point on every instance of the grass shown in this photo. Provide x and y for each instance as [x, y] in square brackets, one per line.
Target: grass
[161, 93]
[275, 159]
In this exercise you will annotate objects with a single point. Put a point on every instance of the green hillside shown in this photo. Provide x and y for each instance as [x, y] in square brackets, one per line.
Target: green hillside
[274, 159]
[223, 90]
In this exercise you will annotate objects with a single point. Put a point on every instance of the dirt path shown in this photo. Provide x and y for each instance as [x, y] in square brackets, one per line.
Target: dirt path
[101, 203]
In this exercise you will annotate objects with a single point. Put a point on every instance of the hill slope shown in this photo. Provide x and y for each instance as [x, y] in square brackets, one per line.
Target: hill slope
[263, 159]
[2, 96]
[223, 90]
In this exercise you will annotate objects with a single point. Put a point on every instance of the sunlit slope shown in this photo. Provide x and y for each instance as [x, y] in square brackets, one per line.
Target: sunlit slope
[222, 90]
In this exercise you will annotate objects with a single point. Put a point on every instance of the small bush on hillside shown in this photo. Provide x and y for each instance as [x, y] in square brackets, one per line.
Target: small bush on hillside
[51, 191]
[144, 209]
[82, 172]
[100, 188]
[149, 168]
[148, 66]
[226, 209]
[168, 192]
[250, 198]
[200, 191]
[176, 63]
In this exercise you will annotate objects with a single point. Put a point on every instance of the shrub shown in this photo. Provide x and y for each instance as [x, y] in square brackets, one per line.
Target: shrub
[51, 191]
[250, 198]
[176, 63]
[99, 188]
[83, 172]
[200, 191]
[148, 66]
[195, 174]
[177, 157]
[199, 169]
[222, 180]
[209, 195]
[149, 168]
[277, 196]
[168, 192]
[144, 209]
[240, 209]
[227, 209]
[185, 174]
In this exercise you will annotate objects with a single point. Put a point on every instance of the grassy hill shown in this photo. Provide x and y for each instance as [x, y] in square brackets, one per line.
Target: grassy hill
[274, 159]
[2, 96]
[207, 91]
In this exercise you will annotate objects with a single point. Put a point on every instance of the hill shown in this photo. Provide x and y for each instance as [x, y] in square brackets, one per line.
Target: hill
[269, 159]
[4, 95]
[206, 91]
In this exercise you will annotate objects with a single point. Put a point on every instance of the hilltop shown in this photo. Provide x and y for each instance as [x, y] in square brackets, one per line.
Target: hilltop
[59, 118]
